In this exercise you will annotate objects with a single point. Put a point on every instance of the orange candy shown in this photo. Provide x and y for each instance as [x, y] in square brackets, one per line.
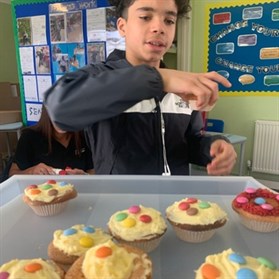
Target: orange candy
[209, 271]
[34, 191]
[32, 267]
[103, 252]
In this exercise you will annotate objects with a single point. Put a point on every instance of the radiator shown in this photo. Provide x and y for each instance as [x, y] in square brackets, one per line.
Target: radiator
[266, 147]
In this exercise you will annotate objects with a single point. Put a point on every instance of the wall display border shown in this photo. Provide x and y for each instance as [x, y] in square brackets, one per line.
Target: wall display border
[242, 45]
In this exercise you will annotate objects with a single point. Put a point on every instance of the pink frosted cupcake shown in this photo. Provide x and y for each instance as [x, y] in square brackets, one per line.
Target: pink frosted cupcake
[258, 209]
[49, 198]
[138, 226]
[194, 220]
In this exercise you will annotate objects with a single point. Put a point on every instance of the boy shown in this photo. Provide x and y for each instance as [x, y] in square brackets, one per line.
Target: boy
[134, 124]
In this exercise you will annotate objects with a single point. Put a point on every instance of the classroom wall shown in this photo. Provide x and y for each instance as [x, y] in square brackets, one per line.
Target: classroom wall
[8, 69]
[239, 113]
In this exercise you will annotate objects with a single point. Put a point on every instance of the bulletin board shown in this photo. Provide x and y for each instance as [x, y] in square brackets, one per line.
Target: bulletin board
[243, 46]
[56, 37]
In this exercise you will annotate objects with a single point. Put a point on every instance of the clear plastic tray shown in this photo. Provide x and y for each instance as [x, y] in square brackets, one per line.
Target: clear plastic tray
[26, 235]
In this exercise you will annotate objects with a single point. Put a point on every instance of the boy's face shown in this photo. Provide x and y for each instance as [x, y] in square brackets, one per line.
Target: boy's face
[149, 30]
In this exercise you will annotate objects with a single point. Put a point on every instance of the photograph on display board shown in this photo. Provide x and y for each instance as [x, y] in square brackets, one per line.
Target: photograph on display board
[76, 56]
[60, 58]
[24, 31]
[111, 19]
[57, 28]
[42, 59]
[96, 52]
[74, 27]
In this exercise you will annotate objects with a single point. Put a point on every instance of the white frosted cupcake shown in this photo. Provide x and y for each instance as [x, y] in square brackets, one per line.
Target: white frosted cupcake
[111, 261]
[231, 265]
[49, 198]
[194, 220]
[69, 244]
[138, 226]
[31, 269]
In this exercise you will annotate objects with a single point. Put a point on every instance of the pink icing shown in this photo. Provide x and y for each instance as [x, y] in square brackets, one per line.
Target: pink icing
[134, 209]
[250, 190]
[267, 206]
[241, 199]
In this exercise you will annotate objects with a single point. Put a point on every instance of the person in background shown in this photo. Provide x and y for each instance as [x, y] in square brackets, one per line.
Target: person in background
[43, 148]
[135, 112]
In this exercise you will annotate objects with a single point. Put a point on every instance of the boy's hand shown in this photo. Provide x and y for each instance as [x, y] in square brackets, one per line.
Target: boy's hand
[224, 158]
[202, 87]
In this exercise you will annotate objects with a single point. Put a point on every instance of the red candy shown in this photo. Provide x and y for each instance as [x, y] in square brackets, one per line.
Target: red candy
[51, 182]
[31, 187]
[192, 200]
[62, 172]
[183, 205]
[32, 267]
[145, 218]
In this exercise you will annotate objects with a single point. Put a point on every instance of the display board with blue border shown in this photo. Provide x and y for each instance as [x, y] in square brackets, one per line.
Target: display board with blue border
[56, 37]
[243, 46]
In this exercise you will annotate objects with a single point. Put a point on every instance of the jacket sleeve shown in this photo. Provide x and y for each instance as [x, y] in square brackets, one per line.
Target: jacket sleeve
[98, 92]
[199, 143]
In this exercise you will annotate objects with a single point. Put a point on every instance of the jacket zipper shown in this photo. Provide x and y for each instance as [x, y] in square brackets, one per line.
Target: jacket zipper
[167, 171]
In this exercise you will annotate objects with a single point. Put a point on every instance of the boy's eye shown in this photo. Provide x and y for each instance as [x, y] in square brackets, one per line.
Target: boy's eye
[145, 17]
[170, 21]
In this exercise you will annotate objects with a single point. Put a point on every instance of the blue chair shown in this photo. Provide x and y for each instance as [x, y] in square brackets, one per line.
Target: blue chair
[214, 125]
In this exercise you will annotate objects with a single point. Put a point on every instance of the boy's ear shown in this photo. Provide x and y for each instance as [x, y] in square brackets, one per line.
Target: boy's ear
[121, 26]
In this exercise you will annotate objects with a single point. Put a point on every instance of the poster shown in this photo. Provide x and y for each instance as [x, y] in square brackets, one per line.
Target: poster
[243, 46]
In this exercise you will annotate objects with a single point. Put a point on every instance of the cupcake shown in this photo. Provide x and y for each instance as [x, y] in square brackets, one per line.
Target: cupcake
[231, 265]
[138, 226]
[113, 261]
[258, 209]
[68, 245]
[195, 220]
[49, 198]
[31, 269]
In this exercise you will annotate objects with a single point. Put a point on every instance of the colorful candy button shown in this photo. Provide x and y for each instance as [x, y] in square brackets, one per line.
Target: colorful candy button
[34, 191]
[192, 200]
[103, 252]
[128, 222]
[4, 275]
[250, 190]
[241, 199]
[236, 258]
[62, 172]
[32, 267]
[121, 216]
[259, 200]
[86, 242]
[204, 205]
[184, 206]
[88, 229]
[63, 183]
[266, 262]
[46, 186]
[31, 187]
[277, 197]
[245, 273]
[70, 231]
[51, 181]
[266, 206]
[192, 211]
[134, 209]
[145, 218]
[210, 271]
[52, 192]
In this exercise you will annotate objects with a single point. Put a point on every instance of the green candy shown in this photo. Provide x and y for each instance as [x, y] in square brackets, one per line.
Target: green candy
[267, 263]
[121, 216]
[46, 187]
[204, 205]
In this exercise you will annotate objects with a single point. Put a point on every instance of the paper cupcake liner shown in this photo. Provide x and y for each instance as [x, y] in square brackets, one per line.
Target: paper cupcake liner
[193, 236]
[145, 245]
[259, 226]
[50, 209]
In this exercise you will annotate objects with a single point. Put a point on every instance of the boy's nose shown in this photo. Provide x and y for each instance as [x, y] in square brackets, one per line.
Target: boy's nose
[158, 27]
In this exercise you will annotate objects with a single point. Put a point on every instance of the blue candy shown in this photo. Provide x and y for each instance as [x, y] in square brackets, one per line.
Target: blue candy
[236, 258]
[63, 183]
[259, 200]
[69, 231]
[89, 229]
[246, 273]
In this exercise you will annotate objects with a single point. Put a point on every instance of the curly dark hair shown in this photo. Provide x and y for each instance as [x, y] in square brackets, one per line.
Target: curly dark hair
[183, 6]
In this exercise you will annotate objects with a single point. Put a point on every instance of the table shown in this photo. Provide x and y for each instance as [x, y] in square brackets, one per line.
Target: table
[10, 128]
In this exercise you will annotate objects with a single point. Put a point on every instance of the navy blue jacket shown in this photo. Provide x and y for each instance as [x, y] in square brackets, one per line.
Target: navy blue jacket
[133, 127]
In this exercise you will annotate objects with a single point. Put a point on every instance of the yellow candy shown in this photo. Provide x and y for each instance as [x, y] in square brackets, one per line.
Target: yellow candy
[128, 223]
[86, 242]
